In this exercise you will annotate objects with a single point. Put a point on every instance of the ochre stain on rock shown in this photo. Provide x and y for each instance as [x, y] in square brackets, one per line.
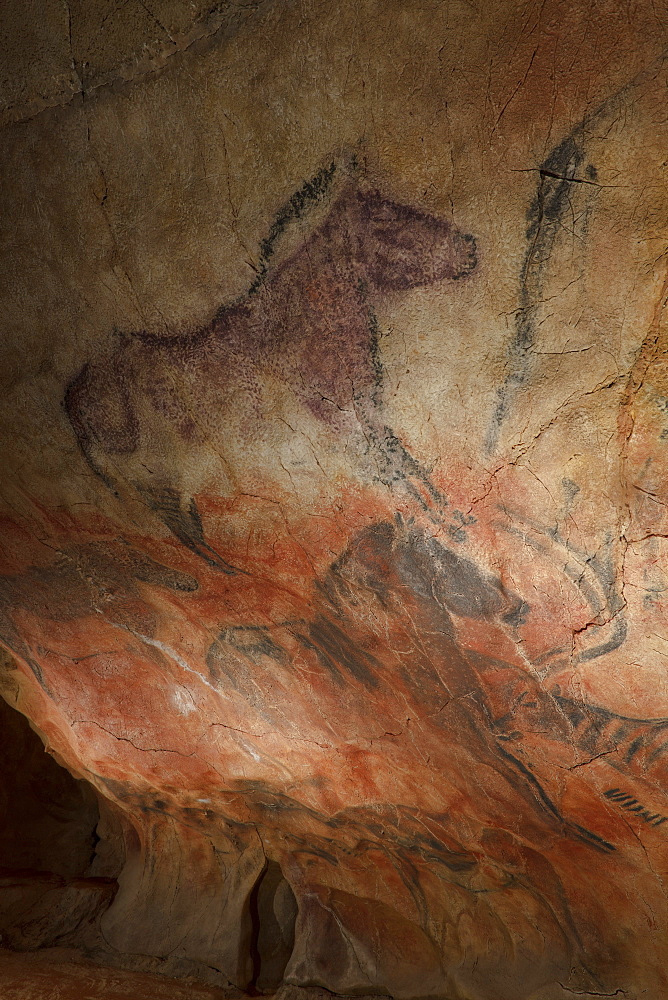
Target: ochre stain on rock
[333, 528]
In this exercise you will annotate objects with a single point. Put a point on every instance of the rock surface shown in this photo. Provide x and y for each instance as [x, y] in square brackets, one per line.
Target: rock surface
[335, 439]
[58, 973]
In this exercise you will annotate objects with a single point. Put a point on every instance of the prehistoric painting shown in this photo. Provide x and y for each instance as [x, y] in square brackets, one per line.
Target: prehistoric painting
[365, 716]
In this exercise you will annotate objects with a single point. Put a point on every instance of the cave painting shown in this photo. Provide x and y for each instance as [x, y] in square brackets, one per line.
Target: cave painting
[309, 321]
[375, 653]
[405, 782]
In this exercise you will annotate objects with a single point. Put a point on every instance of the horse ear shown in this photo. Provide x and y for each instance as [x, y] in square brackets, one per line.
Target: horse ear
[352, 164]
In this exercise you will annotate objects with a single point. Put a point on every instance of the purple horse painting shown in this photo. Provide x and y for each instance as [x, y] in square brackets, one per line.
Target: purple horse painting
[307, 321]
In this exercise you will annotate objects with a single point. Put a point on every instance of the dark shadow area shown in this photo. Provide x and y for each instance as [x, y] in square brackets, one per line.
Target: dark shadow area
[273, 910]
[47, 842]
[49, 818]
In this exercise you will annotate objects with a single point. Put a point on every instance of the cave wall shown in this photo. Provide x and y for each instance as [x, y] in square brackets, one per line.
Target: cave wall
[53, 883]
[49, 819]
[335, 395]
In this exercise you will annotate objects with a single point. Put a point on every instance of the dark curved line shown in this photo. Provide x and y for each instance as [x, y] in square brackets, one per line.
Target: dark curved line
[582, 833]
[614, 642]
[554, 179]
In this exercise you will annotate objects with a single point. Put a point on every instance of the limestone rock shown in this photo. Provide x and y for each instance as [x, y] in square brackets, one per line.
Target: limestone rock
[39, 911]
[335, 395]
[63, 973]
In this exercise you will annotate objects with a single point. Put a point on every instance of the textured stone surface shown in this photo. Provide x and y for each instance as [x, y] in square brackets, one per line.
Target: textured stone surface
[57, 974]
[335, 395]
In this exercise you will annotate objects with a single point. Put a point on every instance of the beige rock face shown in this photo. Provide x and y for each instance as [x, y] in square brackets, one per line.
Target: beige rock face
[335, 450]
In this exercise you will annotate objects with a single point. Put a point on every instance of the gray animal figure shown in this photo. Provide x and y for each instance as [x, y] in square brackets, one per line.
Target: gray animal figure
[307, 319]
